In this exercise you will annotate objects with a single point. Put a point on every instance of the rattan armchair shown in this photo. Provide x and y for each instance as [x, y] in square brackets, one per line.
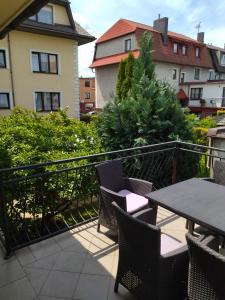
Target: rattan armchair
[206, 270]
[128, 193]
[151, 265]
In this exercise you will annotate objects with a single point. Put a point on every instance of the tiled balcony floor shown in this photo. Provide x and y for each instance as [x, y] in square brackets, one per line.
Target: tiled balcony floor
[80, 264]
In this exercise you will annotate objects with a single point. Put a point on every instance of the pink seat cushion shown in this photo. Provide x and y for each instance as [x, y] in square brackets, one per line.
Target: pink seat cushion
[134, 201]
[169, 244]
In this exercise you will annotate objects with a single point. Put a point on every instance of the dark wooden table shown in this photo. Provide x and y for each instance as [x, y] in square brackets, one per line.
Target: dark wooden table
[197, 200]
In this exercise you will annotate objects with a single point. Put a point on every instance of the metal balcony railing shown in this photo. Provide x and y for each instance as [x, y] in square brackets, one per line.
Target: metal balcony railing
[39, 201]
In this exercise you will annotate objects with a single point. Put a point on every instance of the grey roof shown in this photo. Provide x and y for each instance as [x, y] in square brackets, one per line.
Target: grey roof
[81, 31]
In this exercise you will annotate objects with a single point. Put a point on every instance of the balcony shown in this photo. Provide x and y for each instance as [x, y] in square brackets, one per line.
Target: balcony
[49, 215]
[208, 102]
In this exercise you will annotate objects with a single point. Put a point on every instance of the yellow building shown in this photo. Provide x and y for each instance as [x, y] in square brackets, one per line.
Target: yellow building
[39, 62]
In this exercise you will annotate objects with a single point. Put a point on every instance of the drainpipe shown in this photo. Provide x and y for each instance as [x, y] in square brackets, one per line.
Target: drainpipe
[11, 69]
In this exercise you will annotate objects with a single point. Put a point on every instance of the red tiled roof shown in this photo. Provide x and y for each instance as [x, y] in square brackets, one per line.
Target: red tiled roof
[123, 27]
[113, 59]
[161, 52]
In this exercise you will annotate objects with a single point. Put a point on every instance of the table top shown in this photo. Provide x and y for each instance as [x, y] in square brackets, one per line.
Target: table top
[198, 200]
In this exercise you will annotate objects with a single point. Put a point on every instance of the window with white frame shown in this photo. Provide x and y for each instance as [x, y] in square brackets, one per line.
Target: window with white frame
[197, 52]
[44, 63]
[182, 77]
[184, 49]
[174, 74]
[222, 60]
[196, 74]
[87, 95]
[211, 75]
[128, 45]
[4, 101]
[45, 15]
[2, 59]
[47, 101]
[196, 93]
[175, 48]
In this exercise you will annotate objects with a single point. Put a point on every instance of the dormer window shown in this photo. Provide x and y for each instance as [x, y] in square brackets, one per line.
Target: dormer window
[127, 45]
[184, 50]
[45, 15]
[222, 61]
[175, 47]
[197, 52]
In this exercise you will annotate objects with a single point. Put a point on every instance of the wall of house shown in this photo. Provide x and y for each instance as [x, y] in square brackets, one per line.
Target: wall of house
[83, 90]
[106, 78]
[189, 74]
[115, 46]
[60, 15]
[212, 93]
[164, 72]
[26, 82]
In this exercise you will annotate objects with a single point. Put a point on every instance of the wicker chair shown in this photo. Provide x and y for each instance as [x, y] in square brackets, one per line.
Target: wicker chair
[151, 265]
[206, 270]
[128, 193]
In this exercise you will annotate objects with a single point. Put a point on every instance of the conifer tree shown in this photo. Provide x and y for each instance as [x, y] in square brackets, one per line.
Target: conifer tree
[120, 79]
[127, 83]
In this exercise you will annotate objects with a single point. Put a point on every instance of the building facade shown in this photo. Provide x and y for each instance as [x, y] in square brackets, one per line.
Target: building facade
[87, 94]
[183, 62]
[39, 62]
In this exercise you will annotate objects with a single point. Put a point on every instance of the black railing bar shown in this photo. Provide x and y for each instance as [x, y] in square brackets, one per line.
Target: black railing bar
[46, 174]
[202, 153]
[50, 163]
[201, 146]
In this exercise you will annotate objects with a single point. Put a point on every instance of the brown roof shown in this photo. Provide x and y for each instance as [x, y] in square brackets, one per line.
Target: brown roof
[161, 52]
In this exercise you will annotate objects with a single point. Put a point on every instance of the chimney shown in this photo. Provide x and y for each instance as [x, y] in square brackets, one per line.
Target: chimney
[161, 25]
[200, 37]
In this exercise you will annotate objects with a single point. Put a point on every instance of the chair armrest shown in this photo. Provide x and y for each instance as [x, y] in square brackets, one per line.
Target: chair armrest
[111, 196]
[145, 215]
[212, 242]
[138, 186]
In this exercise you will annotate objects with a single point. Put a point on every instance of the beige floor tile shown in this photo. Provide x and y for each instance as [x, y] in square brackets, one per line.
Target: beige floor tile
[45, 263]
[25, 256]
[18, 290]
[44, 248]
[60, 284]
[36, 277]
[92, 287]
[98, 266]
[10, 271]
[70, 262]
[65, 240]
[50, 298]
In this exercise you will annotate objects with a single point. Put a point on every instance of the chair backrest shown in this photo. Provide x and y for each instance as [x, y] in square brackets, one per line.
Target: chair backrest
[110, 175]
[139, 249]
[206, 272]
[219, 172]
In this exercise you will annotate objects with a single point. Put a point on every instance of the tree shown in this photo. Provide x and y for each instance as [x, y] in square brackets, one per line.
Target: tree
[149, 114]
[120, 79]
[127, 83]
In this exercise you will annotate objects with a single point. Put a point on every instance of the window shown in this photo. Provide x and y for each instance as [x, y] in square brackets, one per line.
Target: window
[182, 77]
[196, 93]
[2, 59]
[4, 101]
[89, 105]
[184, 50]
[46, 101]
[174, 74]
[87, 83]
[87, 95]
[45, 15]
[197, 52]
[222, 61]
[197, 74]
[175, 48]
[44, 63]
[211, 75]
[128, 45]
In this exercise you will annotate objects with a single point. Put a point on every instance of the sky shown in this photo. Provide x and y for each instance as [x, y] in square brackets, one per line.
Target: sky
[97, 16]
